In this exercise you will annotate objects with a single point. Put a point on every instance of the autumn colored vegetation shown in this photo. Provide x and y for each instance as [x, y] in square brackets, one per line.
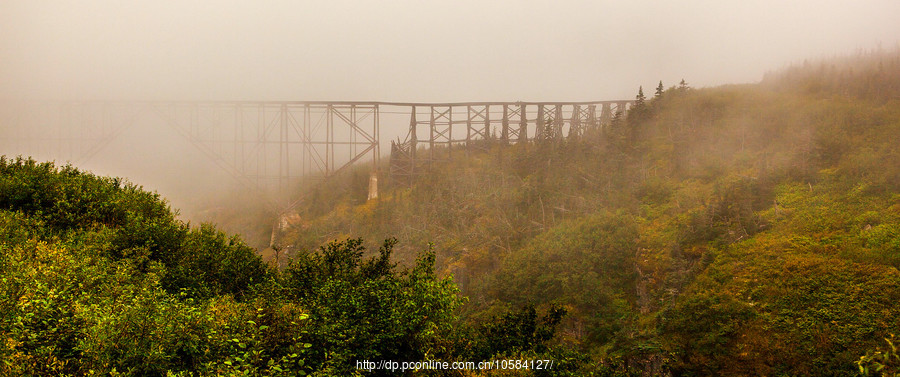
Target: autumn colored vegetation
[98, 277]
[738, 230]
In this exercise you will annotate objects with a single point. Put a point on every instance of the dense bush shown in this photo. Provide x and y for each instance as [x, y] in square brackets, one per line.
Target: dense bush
[119, 220]
[739, 230]
[98, 277]
[668, 234]
[586, 264]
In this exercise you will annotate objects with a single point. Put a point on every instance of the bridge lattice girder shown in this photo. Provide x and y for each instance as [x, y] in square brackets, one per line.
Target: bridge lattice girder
[268, 146]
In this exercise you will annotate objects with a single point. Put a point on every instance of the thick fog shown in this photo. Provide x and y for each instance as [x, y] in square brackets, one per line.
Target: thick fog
[414, 50]
[408, 50]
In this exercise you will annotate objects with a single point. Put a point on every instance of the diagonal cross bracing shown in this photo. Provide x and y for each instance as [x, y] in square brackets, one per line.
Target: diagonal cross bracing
[269, 146]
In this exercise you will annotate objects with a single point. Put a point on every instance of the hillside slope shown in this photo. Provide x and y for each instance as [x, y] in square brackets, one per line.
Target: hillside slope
[98, 277]
[738, 230]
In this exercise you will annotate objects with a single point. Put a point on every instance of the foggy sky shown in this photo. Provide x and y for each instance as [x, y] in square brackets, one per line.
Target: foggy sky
[459, 50]
[386, 50]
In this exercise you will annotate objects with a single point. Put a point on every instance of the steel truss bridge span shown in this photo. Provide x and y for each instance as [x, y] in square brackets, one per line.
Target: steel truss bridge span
[268, 146]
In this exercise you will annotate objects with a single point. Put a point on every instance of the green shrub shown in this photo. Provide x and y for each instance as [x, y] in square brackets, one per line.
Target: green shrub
[367, 309]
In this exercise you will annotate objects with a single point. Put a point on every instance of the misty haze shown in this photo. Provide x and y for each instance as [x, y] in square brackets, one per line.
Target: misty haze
[449, 188]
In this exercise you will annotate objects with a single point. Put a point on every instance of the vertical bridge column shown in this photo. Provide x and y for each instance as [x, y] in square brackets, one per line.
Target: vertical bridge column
[606, 114]
[558, 121]
[523, 124]
[478, 124]
[441, 125]
[576, 124]
[314, 138]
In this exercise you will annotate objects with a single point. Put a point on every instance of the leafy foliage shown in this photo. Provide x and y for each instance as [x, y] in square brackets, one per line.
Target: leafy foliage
[368, 310]
[98, 277]
[517, 332]
[882, 362]
[739, 230]
[121, 221]
[769, 211]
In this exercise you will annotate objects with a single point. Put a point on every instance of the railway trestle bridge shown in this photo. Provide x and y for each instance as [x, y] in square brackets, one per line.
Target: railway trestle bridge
[269, 146]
